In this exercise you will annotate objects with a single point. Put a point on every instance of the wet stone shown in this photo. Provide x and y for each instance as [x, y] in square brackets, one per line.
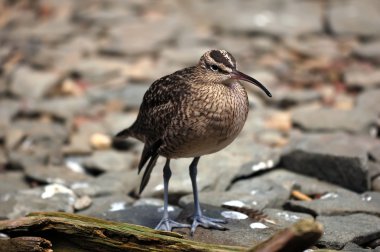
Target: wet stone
[12, 181]
[327, 156]
[373, 169]
[285, 218]
[357, 228]
[236, 199]
[262, 190]
[109, 160]
[49, 198]
[335, 204]
[376, 184]
[102, 205]
[145, 215]
[242, 230]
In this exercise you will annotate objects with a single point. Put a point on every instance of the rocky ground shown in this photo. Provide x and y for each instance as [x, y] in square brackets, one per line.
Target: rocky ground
[73, 74]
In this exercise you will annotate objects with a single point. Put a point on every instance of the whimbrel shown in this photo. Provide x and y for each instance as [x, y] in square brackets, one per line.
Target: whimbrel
[192, 112]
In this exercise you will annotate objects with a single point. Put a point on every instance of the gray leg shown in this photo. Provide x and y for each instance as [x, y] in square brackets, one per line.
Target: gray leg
[198, 218]
[166, 223]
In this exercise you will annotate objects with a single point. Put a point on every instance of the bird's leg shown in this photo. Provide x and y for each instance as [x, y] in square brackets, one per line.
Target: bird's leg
[198, 218]
[166, 223]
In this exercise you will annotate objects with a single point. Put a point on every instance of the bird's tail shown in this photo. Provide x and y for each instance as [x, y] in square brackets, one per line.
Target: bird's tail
[124, 133]
[150, 153]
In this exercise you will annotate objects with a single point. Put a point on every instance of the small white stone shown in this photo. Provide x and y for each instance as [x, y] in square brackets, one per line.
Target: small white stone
[258, 225]
[234, 215]
[235, 203]
[116, 206]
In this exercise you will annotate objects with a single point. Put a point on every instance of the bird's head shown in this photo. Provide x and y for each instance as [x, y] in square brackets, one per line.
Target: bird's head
[219, 66]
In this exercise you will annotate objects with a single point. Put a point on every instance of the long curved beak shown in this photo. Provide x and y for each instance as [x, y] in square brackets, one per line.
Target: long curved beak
[235, 74]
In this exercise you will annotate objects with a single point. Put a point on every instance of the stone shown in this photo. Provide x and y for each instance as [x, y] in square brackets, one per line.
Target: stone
[82, 203]
[328, 156]
[362, 78]
[372, 198]
[284, 218]
[107, 184]
[375, 185]
[8, 109]
[79, 144]
[13, 138]
[295, 181]
[12, 181]
[369, 50]
[100, 205]
[61, 107]
[218, 199]
[373, 169]
[144, 215]
[327, 119]
[147, 37]
[353, 247]
[54, 174]
[285, 97]
[262, 190]
[346, 18]
[375, 153]
[100, 141]
[116, 122]
[339, 230]
[367, 101]
[335, 204]
[49, 198]
[98, 70]
[263, 159]
[314, 46]
[269, 17]
[32, 84]
[242, 231]
[109, 160]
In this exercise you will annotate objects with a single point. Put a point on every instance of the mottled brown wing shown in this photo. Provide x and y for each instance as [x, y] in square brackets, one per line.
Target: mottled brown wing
[160, 104]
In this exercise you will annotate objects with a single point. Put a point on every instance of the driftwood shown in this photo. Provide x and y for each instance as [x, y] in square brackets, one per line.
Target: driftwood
[71, 232]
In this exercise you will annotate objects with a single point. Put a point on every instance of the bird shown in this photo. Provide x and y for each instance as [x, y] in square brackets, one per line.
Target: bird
[190, 113]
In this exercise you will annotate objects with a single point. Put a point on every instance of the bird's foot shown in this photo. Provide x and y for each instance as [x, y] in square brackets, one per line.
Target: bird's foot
[206, 222]
[168, 224]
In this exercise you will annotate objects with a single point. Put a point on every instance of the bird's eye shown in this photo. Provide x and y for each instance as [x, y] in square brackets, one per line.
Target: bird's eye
[214, 68]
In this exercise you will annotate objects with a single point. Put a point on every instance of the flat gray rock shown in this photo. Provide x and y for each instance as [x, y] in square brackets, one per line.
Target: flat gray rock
[369, 50]
[109, 160]
[48, 198]
[273, 17]
[12, 181]
[32, 84]
[367, 101]
[236, 199]
[375, 153]
[110, 203]
[335, 204]
[332, 158]
[295, 181]
[327, 119]
[107, 184]
[54, 174]
[362, 78]
[346, 18]
[356, 228]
